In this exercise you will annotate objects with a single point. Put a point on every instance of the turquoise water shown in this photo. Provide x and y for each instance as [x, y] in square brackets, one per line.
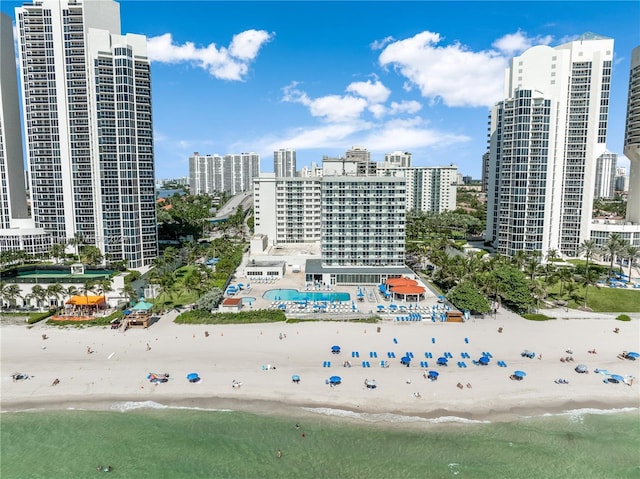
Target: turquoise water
[248, 300]
[295, 295]
[172, 443]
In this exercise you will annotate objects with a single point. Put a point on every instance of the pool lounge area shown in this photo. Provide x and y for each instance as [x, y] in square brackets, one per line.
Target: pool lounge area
[309, 296]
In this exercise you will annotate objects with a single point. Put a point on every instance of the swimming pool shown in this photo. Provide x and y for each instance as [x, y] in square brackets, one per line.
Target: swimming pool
[295, 295]
[248, 300]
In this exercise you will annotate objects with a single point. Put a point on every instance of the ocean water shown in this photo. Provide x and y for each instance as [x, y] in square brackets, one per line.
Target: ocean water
[184, 443]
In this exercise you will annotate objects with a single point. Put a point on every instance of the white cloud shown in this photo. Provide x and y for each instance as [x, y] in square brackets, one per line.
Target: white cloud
[380, 44]
[404, 107]
[454, 74]
[332, 108]
[223, 63]
[374, 92]
[515, 43]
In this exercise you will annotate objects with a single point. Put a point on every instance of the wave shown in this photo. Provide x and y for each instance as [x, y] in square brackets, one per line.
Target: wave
[127, 406]
[580, 413]
[389, 417]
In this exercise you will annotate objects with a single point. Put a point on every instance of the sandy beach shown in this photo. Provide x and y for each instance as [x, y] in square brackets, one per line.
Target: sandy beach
[264, 357]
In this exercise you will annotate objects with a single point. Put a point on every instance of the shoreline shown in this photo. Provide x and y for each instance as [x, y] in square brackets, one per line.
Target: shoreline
[263, 357]
[282, 409]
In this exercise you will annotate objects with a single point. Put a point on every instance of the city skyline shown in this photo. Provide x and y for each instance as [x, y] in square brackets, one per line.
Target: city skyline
[321, 77]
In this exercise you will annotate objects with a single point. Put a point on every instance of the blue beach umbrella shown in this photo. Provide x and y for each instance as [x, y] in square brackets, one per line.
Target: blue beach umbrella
[433, 374]
[442, 360]
[520, 374]
[127, 311]
[483, 360]
[335, 349]
[617, 377]
[633, 355]
[335, 379]
[193, 377]
[295, 378]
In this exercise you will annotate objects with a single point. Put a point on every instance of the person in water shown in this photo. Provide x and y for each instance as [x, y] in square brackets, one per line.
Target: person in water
[279, 454]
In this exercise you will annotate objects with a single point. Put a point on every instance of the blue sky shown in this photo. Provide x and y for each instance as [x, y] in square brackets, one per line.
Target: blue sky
[321, 77]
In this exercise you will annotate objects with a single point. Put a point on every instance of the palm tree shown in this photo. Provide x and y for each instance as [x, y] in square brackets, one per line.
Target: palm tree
[539, 290]
[589, 248]
[531, 268]
[613, 247]
[40, 294]
[10, 292]
[552, 255]
[565, 275]
[589, 279]
[76, 242]
[57, 251]
[54, 290]
[631, 253]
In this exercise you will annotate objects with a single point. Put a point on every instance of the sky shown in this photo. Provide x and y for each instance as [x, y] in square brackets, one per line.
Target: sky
[322, 77]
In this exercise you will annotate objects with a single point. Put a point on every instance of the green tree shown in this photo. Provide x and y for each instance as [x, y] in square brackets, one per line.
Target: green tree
[57, 251]
[631, 254]
[55, 290]
[9, 293]
[91, 255]
[513, 287]
[465, 296]
[39, 294]
[588, 248]
[613, 247]
[210, 300]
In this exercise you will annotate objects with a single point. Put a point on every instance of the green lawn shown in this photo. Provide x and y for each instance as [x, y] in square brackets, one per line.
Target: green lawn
[604, 299]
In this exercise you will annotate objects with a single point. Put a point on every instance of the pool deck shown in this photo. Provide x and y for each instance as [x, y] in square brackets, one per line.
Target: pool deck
[366, 307]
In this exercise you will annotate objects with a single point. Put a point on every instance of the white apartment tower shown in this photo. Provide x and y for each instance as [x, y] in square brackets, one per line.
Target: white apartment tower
[431, 189]
[632, 138]
[233, 173]
[544, 139]
[284, 163]
[605, 175]
[13, 197]
[88, 125]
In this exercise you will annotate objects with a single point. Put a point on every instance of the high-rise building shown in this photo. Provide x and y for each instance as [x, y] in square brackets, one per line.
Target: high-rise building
[284, 162]
[544, 139]
[605, 175]
[17, 229]
[361, 157]
[431, 189]
[233, 173]
[632, 138]
[397, 159]
[13, 197]
[88, 125]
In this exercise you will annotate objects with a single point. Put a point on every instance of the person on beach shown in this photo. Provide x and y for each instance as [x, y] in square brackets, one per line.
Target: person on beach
[148, 347]
[89, 350]
[55, 382]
